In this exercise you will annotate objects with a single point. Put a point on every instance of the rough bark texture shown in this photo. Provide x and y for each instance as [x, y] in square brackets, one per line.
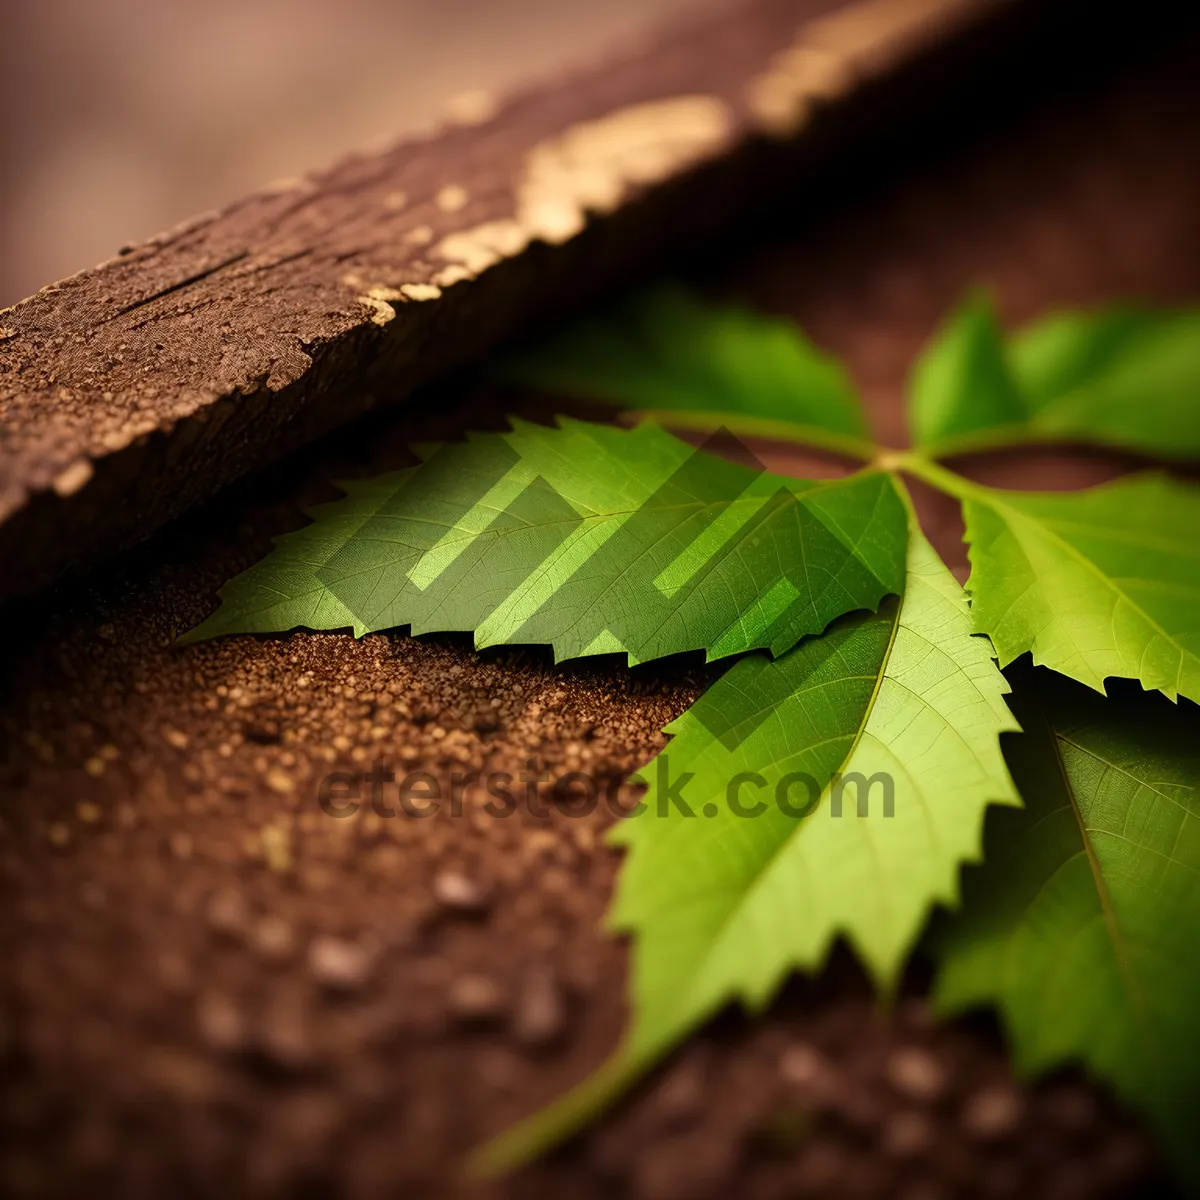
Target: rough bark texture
[132, 391]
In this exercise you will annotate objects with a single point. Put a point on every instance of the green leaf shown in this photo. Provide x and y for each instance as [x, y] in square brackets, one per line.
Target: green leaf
[1123, 377]
[666, 351]
[588, 538]
[962, 383]
[723, 904]
[1098, 583]
[1082, 925]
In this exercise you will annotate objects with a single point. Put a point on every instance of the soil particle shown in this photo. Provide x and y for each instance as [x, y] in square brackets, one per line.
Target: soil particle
[221, 1023]
[273, 939]
[540, 1015]
[802, 1066]
[284, 1033]
[916, 1074]
[908, 1134]
[228, 912]
[339, 965]
[458, 893]
[993, 1113]
[678, 1097]
[475, 999]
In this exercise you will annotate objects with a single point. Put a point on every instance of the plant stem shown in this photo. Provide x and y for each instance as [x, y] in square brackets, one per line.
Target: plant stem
[1005, 437]
[847, 445]
[525, 1141]
[918, 463]
[906, 496]
[934, 474]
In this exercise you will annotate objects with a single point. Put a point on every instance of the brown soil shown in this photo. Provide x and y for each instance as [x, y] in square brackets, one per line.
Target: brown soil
[212, 988]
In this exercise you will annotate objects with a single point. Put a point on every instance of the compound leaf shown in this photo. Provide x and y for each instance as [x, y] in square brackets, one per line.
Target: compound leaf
[588, 538]
[1123, 377]
[668, 351]
[833, 791]
[1098, 583]
[1081, 926]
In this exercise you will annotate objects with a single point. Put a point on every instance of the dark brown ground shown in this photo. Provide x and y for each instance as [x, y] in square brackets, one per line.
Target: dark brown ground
[211, 988]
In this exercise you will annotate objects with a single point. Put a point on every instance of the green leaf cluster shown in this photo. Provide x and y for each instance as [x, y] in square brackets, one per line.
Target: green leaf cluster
[839, 772]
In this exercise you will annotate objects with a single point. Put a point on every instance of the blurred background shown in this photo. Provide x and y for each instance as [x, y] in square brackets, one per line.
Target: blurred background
[122, 117]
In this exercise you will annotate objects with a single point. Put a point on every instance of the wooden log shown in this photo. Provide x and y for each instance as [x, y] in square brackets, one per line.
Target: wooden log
[130, 392]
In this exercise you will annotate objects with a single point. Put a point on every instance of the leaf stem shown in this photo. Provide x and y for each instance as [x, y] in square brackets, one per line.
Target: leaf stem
[934, 474]
[568, 1114]
[1003, 437]
[741, 425]
[918, 463]
[905, 495]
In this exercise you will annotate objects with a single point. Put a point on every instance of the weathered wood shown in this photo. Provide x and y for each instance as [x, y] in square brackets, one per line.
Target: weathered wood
[132, 391]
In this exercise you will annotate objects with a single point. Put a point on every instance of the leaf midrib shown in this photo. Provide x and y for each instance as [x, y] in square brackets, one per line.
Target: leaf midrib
[1121, 954]
[737, 909]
